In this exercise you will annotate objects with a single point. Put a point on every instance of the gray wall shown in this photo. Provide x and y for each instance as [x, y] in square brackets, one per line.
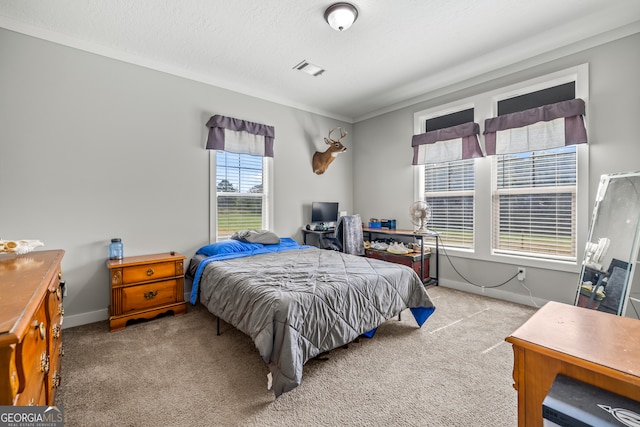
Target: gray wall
[93, 148]
[383, 156]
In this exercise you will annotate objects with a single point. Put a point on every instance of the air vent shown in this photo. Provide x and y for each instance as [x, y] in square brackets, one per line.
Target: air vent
[309, 68]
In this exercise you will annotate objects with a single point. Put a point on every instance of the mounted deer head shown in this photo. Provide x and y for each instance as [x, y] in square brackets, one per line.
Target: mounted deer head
[321, 161]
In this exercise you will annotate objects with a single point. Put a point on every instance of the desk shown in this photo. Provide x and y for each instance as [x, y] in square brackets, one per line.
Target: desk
[319, 235]
[596, 348]
[410, 233]
[412, 259]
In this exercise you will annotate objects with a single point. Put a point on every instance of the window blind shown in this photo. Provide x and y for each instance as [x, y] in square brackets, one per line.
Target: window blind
[534, 204]
[239, 193]
[449, 191]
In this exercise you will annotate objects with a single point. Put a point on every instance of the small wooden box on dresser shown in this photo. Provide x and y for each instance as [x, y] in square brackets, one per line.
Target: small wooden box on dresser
[142, 287]
[31, 313]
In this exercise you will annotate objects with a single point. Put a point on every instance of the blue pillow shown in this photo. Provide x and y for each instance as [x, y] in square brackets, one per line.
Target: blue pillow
[228, 246]
[287, 242]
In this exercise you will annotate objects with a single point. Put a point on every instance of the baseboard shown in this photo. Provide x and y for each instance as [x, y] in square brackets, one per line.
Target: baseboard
[95, 316]
[495, 293]
[85, 318]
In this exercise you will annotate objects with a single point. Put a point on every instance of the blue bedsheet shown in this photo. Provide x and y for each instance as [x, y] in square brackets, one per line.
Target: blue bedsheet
[286, 244]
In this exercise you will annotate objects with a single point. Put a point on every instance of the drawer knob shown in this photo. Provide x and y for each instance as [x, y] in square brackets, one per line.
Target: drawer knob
[150, 294]
[43, 330]
[150, 272]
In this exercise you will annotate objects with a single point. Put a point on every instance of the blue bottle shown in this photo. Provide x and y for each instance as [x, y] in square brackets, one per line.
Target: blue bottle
[116, 250]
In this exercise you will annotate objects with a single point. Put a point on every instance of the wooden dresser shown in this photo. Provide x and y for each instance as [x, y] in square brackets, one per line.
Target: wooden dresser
[31, 313]
[145, 286]
[596, 348]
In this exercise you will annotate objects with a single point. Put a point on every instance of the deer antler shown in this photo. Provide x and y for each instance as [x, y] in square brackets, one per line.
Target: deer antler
[343, 133]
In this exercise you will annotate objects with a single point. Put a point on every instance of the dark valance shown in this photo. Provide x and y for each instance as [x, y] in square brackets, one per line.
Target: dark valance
[240, 136]
[448, 144]
[549, 126]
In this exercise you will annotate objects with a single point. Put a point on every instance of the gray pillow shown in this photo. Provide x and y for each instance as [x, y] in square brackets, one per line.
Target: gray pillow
[265, 237]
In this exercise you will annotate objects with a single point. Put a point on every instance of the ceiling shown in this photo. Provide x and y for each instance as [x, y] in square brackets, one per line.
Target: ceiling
[396, 52]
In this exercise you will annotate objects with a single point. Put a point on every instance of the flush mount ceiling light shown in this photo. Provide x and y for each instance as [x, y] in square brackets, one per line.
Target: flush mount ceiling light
[340, 16]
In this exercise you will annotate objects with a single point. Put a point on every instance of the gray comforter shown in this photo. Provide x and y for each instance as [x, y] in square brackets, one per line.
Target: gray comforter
[300, 303]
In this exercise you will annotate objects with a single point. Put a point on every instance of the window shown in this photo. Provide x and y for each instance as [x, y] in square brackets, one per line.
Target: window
[534, 197]
[240, 193]
[449, 187]
[534, 203]
[449, 191]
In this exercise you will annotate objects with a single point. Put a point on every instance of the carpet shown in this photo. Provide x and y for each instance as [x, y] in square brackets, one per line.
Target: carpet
[174, 371]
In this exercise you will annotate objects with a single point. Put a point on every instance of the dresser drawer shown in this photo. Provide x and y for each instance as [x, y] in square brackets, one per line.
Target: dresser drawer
[33, 394]
[150, 295]
[143, 273]
[33, 359]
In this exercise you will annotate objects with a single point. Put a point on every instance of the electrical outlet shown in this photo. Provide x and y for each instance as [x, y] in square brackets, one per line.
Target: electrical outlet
[521, 273]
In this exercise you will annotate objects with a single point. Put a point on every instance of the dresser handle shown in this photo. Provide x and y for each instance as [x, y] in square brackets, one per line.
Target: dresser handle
[150, 272]
[44, 362]
[150, 294]
[55, 381]
[61, 312]
[43, 330]
[56, 331]
[61, 350]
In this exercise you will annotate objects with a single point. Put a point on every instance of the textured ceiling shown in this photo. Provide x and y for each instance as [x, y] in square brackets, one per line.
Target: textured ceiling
[396, 51]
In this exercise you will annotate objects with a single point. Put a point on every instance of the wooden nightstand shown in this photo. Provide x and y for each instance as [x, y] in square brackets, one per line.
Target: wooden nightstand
[145, 286]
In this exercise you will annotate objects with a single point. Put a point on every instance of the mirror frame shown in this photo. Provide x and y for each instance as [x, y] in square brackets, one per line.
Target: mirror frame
[615, 226]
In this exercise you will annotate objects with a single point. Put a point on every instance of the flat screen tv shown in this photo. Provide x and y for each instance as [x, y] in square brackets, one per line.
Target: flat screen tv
[324, 211]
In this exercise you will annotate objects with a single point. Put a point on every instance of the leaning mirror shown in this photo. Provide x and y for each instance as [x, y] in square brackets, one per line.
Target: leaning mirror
[611, 252]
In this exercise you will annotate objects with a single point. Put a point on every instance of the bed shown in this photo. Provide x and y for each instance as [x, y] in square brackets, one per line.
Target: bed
[296, 302]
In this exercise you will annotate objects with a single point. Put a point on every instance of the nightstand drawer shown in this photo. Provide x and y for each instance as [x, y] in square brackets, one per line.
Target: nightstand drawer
[150, 295]
[144, 273]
